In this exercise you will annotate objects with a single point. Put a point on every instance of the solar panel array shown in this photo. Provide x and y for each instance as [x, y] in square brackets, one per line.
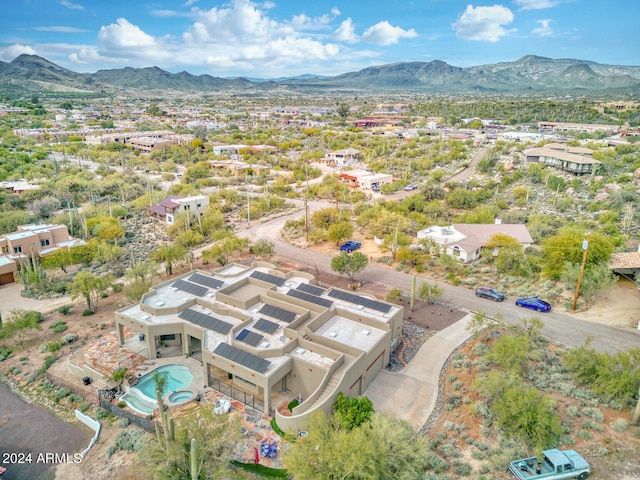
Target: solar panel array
[358, 300]
[279, 313]
[206, 321]
[266, 326]
[206, 281]
[307, 297]
[312, 289]
[246, 359]
[265, 277]
[190, 288]
[249, 337]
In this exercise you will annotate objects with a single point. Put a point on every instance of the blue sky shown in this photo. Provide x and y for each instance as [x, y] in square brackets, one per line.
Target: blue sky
[276, 38]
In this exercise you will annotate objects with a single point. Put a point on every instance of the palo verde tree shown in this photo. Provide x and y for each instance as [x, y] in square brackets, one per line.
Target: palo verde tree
[383, 447]
[169, 255]
[566, 247]
[91, 287]
[349, 263]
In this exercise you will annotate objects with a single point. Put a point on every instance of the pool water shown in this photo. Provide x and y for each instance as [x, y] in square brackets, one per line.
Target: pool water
[177, 377]
[182, 396]
[137, 404]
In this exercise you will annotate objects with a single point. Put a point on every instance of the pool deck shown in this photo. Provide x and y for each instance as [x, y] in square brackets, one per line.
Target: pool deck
[105, 355]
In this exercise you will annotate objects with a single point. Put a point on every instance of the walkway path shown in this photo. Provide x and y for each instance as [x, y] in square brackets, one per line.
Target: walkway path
[412, 393]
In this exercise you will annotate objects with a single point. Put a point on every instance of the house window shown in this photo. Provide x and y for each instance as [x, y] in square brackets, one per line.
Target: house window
[17, 249]
[5, 249]
[456, 251]
[199, 205]
[44, 243]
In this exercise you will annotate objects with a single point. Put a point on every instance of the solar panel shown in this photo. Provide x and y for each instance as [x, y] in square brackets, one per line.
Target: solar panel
[307, 297]
[358, 300]
[190, 288]
[206, 281]
[312, 289]
[279, 313]
[249, 337]
[265, 277]
[206, 321]
[266, 326]
[246, 359]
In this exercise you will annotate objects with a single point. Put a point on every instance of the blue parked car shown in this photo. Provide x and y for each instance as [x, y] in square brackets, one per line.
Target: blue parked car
[534, 303]
[350, 246]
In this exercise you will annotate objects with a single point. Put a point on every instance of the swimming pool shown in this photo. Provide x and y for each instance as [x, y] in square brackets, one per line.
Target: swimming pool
[177, 377]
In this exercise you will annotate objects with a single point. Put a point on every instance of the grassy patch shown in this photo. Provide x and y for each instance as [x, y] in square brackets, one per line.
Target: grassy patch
[261, 470]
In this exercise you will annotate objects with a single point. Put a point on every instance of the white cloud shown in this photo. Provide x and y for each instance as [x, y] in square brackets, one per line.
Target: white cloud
[15, 50]
[61, 29]
[483, 23]
[544, 30]
[71, 5]
[240, 37]
[188, 3]
[345, 32]
[383, 33]
[535, 4]
[122, 42]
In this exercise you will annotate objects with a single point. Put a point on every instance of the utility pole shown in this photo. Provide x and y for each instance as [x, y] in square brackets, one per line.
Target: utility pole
[585, 247]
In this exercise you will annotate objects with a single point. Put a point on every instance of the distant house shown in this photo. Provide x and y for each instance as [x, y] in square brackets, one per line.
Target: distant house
[465, 241]
[626, 263]
[37, 240]
[342, 157]
[570, 159]
[365, 180]
[237, 168]
[168, 208]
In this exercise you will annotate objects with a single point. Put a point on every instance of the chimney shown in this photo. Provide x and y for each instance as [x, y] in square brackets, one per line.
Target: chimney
[498, 221]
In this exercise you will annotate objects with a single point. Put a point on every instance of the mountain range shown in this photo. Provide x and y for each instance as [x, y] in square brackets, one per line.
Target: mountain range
[528, 75]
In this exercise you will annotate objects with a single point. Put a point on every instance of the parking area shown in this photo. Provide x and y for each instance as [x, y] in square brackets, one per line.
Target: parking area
[10, 299]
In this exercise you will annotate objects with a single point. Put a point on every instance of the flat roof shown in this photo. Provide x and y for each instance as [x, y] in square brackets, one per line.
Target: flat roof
[351, 333]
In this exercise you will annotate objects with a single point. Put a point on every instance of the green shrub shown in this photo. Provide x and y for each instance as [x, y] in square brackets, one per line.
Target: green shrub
[117, 287]
[65, 309]
[70, 338]
[123, 422]
[619, 425]
[48, 361]
[111, 449]
[122, 404]
[292, 404]
[88, 312]
[59, 326]
[129, 440]
[101, 413]
[63, 392]
[54, 345]
[84, 406]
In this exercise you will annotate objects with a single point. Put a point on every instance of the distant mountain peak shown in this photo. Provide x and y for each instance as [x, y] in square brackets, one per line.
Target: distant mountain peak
[531, 74]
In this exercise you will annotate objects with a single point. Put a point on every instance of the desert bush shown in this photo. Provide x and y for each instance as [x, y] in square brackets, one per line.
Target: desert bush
[111, 449]
[65, 309]
[129, 440]
[70, 338]
[59, 326]
[101, 413]
[123, 422]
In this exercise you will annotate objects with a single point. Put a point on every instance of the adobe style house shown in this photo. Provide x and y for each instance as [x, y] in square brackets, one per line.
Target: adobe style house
[365, 180]
[168, 208]
[466, 241]
[570, 159]
[36, 239]
[264, 337]
[341, 158]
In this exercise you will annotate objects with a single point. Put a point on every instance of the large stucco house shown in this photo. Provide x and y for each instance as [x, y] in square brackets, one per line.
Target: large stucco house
[265, 337]
[466, 241]
[36, 240]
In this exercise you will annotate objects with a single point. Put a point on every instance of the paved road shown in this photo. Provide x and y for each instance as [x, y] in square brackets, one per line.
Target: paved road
[558, 327]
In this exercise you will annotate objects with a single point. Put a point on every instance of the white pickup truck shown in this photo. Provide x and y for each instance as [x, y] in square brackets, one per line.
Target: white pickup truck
[554, 465]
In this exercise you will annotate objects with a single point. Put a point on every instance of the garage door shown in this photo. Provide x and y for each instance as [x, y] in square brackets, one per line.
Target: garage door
[6, 278]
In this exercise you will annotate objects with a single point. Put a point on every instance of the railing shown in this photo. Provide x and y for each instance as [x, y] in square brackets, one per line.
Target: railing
[233, 392]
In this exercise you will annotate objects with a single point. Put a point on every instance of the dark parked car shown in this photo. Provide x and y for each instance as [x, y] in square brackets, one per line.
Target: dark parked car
[350, 246]
[534, 303]
[490, 293]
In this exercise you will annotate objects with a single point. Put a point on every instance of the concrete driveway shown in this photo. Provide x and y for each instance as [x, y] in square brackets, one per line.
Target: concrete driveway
[411, 394]
[10, 299]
